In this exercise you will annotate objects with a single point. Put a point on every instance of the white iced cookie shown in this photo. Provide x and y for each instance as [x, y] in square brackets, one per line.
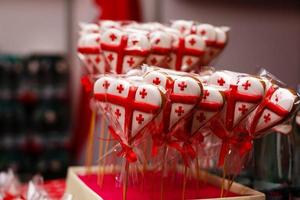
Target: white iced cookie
[161, 43]
[221, 42]
[210, 105]
[133, 106]
[221, 79]
[100, 88]
[274, 109]
[124, 51]
[90, 53]
[185, 93]
[183, 26]
[186, 52]
[209, 35]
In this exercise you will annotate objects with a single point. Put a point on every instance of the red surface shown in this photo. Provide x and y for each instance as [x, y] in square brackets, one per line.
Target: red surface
[150, 188]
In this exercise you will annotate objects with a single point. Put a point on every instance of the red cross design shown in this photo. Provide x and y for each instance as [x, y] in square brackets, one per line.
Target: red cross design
[156, 81]
[134, 42]
[153, 61]
[157, 41]
[130, 61]
[182, 29]
[179, 111]
[206, 94]
[106, 84]
[118, 113]
[189, 61]
[182, 51]
[130, 104]
[121, 50]
[221, 81]
[201, 117]
[120, 88]
[192, 41]
[203, 32]
[143, 93]
[243, 109]
[140, 119]
[246, 85]
[113, 37]
[182, 85]
[98, 60]
[267, 104]
[110, 57]
[233, 95]
[276, 98]
[267, 118]
[89, 50]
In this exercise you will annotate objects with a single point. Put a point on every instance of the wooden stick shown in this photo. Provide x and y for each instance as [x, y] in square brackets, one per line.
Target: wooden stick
[184, 182]
[223, 178]
[100, 165]
[90, 143]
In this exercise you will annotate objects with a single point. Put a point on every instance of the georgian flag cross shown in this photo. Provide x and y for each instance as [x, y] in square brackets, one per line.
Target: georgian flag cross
[124, 50]
[211, 104]
[185, 93]
[242, 95]
[90, 53]
[186, 52]
[276, 106]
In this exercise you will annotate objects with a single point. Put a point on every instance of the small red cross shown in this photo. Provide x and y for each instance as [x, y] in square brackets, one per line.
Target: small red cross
[98, 40]
[98, 60]
[117, 113]
[156, 81]
[143, 93]
[130, 61]
[189, 61]
[203, 32]
[179, 110]
[246, 85]
[182, 85]
[153, 61]
[157, 41]
[110, 57]
[206, 94]
[106, 84]
[221, 81]
[113, 37]
[120, 88]
[192, 41]
[140, 118]
[134, 42]
[201, 117]
[243, 109]
[267, 117]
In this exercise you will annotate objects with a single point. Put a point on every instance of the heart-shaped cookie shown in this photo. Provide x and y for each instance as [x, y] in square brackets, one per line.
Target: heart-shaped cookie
[183, 26]
[124, 50]
[274, 109]
[90, 53]
[185, 93]
[209, 35]
[211, 104]
[242, 95]
[186, 52]
[133, 106]
[161, 43]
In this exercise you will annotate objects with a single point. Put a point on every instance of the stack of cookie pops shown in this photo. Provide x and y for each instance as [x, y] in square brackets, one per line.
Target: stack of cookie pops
[206, 118]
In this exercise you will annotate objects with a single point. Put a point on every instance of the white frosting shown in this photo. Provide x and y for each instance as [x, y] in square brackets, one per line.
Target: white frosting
[145, 93]
[202, 116]
[183, 26]
[136, 41]
[281, 97]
